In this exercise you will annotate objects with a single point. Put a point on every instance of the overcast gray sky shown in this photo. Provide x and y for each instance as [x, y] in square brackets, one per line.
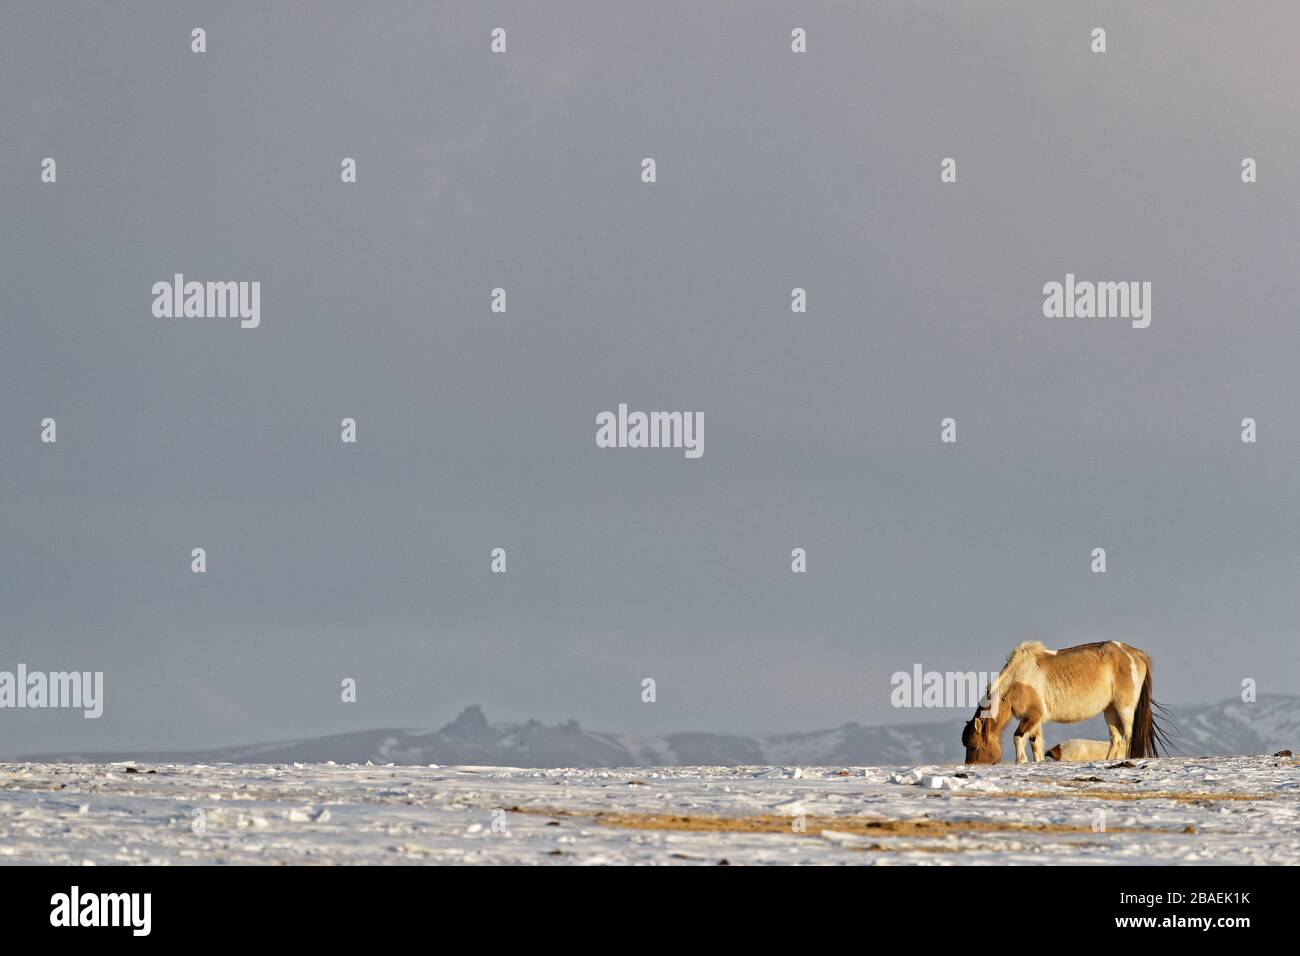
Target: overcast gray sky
[476, 430]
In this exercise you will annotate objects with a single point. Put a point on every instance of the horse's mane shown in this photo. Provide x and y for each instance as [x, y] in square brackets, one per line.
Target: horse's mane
[1023, 655]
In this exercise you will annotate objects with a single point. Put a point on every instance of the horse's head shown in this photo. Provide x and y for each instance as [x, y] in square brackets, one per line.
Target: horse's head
[982, 741]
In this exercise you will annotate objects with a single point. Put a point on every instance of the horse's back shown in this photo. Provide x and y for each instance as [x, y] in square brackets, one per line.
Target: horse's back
[1082, 681]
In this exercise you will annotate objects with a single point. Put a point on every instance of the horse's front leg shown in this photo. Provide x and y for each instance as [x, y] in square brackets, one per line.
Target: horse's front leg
[1040, 749]
[1019, 738]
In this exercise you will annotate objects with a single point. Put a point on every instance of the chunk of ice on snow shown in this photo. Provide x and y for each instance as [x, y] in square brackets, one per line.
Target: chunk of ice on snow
[910, 778]
[940, 782]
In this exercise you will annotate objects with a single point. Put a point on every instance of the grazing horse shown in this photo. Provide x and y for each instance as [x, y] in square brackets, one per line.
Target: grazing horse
[1067, 686]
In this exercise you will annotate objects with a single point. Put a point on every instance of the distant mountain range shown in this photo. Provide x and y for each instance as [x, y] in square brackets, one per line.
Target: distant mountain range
[1270, 724]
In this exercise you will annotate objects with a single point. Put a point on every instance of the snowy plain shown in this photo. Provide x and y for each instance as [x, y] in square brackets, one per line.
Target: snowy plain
[1234, 810]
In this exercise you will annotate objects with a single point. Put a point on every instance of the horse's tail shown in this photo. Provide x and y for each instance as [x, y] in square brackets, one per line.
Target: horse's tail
[1149, 731]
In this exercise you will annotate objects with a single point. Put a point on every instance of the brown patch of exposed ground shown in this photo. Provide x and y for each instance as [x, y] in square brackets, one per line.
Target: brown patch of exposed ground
[775, 823]
[1118, 795]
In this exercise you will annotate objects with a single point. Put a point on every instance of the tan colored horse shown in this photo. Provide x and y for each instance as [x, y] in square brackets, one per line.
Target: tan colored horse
[1066, 686]
[1079, 750]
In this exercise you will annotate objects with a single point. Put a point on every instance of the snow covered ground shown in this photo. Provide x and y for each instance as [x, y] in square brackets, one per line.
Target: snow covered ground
[1199, 810]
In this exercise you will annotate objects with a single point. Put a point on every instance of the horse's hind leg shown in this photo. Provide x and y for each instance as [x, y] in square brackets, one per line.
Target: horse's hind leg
[1118, 738]
[1126, 728]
